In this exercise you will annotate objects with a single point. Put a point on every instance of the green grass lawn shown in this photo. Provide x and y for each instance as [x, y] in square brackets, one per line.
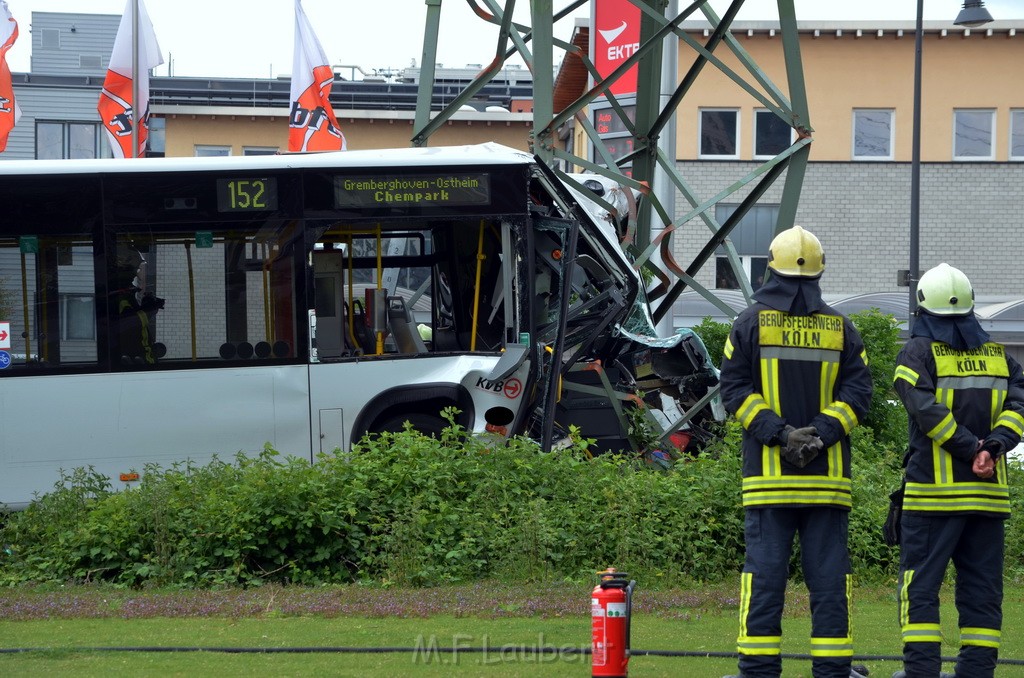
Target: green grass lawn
[709, 625]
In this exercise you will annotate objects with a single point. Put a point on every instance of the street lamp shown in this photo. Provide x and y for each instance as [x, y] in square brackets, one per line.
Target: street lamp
[972, 15]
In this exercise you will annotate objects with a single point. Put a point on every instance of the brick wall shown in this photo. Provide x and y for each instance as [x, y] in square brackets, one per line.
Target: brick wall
[971, 217]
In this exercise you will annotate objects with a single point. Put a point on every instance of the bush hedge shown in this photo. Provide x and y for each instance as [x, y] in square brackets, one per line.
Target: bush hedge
[407, 509]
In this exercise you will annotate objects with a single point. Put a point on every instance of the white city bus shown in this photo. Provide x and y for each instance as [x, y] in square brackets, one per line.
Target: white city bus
[157, 310]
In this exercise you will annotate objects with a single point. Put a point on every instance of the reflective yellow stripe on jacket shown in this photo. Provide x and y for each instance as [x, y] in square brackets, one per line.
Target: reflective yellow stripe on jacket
[984, 368]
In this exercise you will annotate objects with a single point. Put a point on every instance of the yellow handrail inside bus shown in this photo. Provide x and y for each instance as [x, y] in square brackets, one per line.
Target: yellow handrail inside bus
[476, 287]
[380, 282]
[351, 287]
[24, 306]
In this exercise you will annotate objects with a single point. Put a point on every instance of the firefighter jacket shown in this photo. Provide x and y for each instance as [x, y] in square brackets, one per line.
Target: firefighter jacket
[954, 398]
[800, 370]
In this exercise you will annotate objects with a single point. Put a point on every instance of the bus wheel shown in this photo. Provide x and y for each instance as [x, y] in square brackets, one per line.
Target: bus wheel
[426, 424]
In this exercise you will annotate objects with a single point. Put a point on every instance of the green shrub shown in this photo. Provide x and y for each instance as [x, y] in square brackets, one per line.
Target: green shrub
[408, 509]
[881, 335]
[713, 334]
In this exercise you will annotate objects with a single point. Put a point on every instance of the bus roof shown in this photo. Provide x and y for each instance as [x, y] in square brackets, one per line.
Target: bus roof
[435, 156]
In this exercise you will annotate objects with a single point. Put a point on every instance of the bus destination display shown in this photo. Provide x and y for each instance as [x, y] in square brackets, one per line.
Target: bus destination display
[246, 195]
[424, 190]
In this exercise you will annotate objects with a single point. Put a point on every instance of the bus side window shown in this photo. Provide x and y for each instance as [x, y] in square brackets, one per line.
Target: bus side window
[196, 295]
[57, 326]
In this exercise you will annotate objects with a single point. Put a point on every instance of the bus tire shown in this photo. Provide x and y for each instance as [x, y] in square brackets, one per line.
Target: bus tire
[427, 424]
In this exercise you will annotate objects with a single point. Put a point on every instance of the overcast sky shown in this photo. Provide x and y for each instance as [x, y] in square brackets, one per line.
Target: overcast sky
[253, 38]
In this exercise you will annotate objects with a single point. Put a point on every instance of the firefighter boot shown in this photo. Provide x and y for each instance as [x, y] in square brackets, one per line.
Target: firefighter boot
[903, 674]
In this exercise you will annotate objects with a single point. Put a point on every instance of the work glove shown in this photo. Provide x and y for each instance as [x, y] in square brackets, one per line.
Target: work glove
[802, 445]
[891, 532]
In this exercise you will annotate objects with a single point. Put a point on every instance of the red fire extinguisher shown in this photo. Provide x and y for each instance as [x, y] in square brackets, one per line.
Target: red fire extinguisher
[610, 604]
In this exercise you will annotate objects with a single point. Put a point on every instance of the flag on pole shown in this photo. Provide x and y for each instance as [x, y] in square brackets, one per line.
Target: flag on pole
[312, 125]
[9, 111]
[117, 110]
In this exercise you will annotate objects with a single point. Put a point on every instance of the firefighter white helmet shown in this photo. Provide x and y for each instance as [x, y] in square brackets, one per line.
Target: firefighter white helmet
[945, 290]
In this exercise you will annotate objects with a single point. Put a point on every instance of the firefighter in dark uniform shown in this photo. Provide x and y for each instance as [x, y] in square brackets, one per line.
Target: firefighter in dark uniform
[795, 375]
[965, 400]
[134, 307]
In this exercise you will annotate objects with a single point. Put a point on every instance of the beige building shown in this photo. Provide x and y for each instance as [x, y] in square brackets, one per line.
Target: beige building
[859, 79]
[195, 130]
[851, 68]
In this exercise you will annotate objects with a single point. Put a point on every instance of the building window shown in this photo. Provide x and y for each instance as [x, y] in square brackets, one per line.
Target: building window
[78, 316]
[974, 134]
[753, 267]
[751, 238]
[61, 140]
[872, 134]
[719, 133]
[89, 62]
[771, 134]
[50, 38]
[212, 151]
[1017, 134]
[260, 150]
[156, 142]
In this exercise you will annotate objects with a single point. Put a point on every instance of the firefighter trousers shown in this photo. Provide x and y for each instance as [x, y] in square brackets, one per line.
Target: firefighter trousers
[769, 534]
[975, 545]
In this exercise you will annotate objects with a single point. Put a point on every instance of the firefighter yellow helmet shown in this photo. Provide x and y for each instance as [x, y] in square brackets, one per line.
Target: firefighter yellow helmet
[796, 253]
[945, 290]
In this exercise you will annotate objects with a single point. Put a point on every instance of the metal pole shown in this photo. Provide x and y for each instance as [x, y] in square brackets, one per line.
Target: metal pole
[136, 118]
[663, 187]
[915, 173]
[425, 91]
[541, 14]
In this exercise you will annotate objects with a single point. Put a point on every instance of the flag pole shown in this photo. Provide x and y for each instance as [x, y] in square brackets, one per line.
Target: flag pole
[136, 118]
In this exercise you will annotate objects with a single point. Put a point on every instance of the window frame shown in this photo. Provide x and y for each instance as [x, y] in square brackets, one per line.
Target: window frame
[156, 140]
[992, 132]
[197, 147]
[757, 115]
[1016, 130]
[65, 325]
[750, 238]
[747, 261]
[260, 150]
[737, 137]
[101, 148]
[853, 135]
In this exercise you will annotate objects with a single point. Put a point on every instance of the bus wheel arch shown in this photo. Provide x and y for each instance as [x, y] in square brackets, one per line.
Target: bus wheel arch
[421, 405]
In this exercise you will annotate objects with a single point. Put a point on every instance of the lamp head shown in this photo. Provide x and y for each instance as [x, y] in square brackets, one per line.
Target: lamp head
[973, 14]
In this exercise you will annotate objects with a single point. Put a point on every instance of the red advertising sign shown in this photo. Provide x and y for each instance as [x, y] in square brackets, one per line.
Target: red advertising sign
[616, 37]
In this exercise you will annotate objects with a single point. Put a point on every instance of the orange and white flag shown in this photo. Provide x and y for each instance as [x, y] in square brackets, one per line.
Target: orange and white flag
[311, 122]
[118, 112]
[9, 111]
